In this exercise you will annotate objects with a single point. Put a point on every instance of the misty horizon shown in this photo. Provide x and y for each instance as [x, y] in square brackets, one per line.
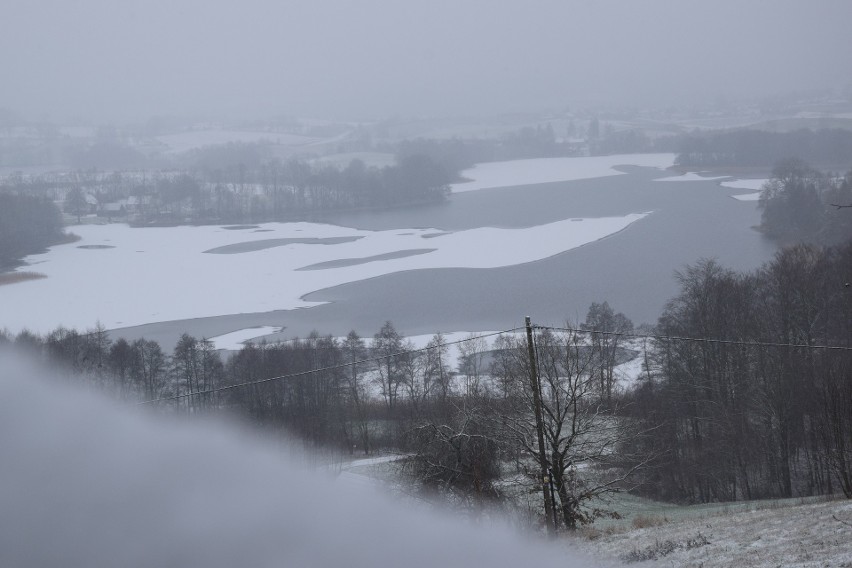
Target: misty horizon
[101, 61]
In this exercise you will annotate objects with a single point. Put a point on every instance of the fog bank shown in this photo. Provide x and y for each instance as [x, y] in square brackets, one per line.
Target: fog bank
[88, 483]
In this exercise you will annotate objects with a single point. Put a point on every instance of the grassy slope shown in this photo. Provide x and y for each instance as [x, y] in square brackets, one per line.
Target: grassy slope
[781, 533]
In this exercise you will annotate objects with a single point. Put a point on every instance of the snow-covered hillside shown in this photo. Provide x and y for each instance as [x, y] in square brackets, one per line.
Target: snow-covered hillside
[816, 534]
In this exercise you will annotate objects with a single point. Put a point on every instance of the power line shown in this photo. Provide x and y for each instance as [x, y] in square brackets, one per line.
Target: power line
[323, 369]
[697, 339]
[480, 336]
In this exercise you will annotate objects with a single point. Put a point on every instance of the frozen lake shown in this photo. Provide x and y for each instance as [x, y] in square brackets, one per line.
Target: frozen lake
[480, 262]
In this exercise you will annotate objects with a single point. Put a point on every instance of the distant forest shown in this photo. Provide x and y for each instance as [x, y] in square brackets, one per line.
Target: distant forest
[273, 191]
[27, 224]
[757, 148]
[802, 204]
[242, 182]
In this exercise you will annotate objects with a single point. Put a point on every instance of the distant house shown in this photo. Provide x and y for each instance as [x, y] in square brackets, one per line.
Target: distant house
[136, 203]
[110, 210]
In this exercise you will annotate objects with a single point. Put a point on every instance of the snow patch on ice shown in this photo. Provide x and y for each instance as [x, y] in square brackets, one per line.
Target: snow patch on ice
[745, 183]
[691, 176]
[160, 274]
[236, 340]
[491, 175]
[747, 196]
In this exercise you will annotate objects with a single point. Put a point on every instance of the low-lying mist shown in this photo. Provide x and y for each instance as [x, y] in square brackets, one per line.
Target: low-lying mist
[85, 481]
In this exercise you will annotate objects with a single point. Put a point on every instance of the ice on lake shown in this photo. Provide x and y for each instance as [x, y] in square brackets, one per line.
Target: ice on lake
[491, 175]
[162, 274]
[745, 183]
[692, 176]
[236, 340]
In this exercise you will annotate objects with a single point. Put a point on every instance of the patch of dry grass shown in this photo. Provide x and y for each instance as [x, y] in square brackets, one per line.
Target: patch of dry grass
[643, 521]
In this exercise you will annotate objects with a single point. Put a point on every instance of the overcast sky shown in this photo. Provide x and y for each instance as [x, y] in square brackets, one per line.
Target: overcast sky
[130, 59]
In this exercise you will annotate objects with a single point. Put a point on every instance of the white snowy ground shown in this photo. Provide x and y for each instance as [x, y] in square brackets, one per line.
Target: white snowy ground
[355, 475]
[753, 184]
[236, 340]
[491, 175]
[160, 274]
[628, 374]
[793, 535]
[691, 176]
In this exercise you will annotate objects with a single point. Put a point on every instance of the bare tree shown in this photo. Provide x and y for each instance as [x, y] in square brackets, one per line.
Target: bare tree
[472, 356]
[387, 343]
[582, 433]
[354, 350]
[459, 458]
[606, 327]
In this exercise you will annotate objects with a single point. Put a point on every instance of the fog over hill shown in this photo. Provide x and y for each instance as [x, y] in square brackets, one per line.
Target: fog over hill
[86, 483]
[102, 60]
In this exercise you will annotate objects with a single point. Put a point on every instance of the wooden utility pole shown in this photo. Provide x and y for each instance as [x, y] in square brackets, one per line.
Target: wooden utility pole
[539, 426]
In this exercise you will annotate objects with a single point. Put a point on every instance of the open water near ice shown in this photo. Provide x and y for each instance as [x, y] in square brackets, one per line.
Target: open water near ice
[633, 270]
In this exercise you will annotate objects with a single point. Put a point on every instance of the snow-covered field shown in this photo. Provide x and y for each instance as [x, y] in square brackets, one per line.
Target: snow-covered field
[812, 535]
[160, 274]
[546, 170]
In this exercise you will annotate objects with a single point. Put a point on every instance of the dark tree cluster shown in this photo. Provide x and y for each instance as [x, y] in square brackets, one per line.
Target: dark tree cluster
[800, 203]
[585, 429]
[322, 401]
[740, 421]
[457, 154]
[130, 370]
[234, 192]
[27, 225]
[282, 191]
[758, 148]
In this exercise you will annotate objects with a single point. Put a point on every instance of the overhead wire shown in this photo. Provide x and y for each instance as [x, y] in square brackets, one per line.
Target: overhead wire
[491, 334]
[698, 339]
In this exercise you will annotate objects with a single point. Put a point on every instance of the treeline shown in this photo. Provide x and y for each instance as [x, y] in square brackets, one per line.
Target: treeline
[457, 154]
[271, 191]
[352, 394]
[802, 204]
[758, 148]
[468, 424]
[27, 225]
[764, 410]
